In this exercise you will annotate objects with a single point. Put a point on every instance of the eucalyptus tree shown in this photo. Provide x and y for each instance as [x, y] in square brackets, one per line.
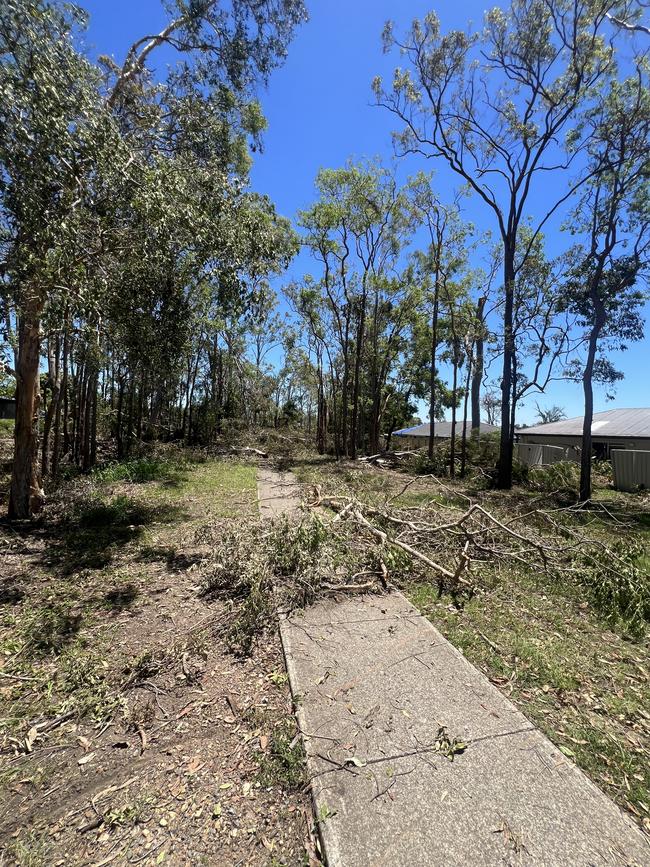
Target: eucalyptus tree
[394, 308]
[495, 106]
[111, 182]
[439, 265]
[543, 328]
[58, 148]
[606, 287]
[551, 414]
[359, 230]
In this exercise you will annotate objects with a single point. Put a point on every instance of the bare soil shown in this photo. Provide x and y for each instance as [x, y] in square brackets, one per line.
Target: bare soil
[130, 733]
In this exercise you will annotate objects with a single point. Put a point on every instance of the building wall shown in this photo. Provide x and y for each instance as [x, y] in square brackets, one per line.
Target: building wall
[405, 444]
[541, 454]
[601, 444]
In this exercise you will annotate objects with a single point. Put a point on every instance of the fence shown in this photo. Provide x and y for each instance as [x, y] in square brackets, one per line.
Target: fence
[538, 455]
[631, 469]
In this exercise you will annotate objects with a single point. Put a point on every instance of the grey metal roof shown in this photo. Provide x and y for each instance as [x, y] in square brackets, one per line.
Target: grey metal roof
[442, 429]
[619, 423]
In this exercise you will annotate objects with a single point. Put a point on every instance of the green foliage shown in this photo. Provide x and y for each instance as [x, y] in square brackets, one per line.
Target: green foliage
[260, 567]
[131, 812]
[31, 849]
[437, 465]
[50, 629]
[561, 478]
[141, 470]
[85, 685]
[293, 549]
[126, 220]
[284, 762]
[620, 588]
[550, 414]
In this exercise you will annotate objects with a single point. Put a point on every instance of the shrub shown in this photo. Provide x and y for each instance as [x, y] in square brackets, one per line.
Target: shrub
[140, 470]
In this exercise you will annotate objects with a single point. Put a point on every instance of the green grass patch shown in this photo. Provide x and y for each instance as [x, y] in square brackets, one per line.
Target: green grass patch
[141, 470]
[220, 488]
[31, 849]
[283, 764]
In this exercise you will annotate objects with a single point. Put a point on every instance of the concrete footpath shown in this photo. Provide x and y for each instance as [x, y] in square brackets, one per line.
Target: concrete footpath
[415, 758]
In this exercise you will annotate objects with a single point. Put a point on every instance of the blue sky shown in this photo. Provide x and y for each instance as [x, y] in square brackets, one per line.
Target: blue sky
[320, 113]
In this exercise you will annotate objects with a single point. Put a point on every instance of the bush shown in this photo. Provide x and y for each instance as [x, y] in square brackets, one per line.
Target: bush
[438, 465]
[140, 470]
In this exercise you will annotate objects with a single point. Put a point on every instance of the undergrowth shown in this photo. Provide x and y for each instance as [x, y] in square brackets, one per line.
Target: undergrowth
[284, 762]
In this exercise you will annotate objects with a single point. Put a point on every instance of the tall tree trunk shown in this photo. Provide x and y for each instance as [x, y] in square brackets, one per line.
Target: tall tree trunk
[26, 495]
[477, 375]
[432, 370]
[56, 444]
[354, 435]
[55, 381]
[345, 385]
[141, 394]
[78, 411]
[588, 391]
[129, 415]
[454, 400]
[504, 478]
[118, 423]
[463, 455]
[93, 427]
[65, 387]
[373, 446]
[373, 439]
[513, 402]
[322, 422]
[190, 416]
[89, 393]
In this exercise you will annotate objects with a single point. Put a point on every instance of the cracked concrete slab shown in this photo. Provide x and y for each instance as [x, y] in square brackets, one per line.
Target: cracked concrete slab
[374, 683]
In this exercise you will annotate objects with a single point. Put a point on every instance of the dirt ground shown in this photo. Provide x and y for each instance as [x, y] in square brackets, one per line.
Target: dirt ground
[130, 733]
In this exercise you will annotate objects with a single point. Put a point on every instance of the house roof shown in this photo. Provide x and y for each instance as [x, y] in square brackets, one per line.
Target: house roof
[442, 430]
[618, 423]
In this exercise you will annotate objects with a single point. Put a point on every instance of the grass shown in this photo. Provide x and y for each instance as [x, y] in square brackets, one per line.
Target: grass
[98, 526]
[224, 489]
[141, 470]
[283, 764]
[31, 850]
